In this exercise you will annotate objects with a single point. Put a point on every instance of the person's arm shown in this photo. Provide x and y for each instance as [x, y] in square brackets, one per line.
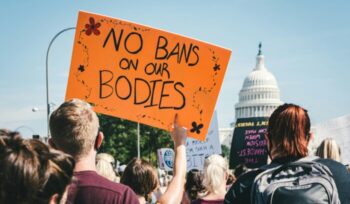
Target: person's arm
[175, 189]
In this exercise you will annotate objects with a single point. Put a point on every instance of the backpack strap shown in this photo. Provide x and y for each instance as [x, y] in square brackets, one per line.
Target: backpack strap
[305, 162]
[266, 169]
[310, 158]
[274, 169]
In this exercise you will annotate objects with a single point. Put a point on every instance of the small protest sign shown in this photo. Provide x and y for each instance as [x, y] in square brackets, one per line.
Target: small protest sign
[197, 151]
[146, 75]
[166, 159]
[249, 146]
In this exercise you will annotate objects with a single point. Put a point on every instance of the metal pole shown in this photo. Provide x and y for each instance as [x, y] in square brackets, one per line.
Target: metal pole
[138, 140]
[149, 147]
[47, 78]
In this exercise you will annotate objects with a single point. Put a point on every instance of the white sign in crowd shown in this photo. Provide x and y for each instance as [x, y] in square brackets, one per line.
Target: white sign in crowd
[166, 159]
[196, 151]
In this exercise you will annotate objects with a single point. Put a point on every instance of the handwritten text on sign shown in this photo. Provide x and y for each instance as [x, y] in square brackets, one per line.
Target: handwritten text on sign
[146, 75]
[249, 146]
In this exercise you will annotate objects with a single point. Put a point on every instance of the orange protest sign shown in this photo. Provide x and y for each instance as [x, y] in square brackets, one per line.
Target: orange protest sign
[144, 74]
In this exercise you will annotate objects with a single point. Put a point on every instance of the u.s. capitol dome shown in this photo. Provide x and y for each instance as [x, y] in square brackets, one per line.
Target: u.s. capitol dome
[259, 97]
[260, 94]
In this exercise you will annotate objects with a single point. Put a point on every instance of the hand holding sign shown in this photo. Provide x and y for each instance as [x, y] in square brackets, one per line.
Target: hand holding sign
[197, 151]
[146, 75]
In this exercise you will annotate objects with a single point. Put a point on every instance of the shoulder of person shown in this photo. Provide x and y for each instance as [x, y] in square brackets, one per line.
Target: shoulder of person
[248, 177]
[94, 180]
[90, 184]
[197, 201]
[123, 192]
[129, 195]
[341, 177]
[205, 201]
[332, 165]
[240, 190]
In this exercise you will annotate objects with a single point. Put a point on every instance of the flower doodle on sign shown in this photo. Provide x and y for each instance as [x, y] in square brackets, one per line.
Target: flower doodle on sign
[81, 68]
[216, 67]
[92, 27]
[196, 128]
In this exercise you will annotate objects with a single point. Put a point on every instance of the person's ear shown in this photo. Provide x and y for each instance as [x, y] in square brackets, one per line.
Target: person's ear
[267, 140]
[226, 176]
[52, 144]
[99, 140]
[54, 199]
[269, 147]
[312, 136]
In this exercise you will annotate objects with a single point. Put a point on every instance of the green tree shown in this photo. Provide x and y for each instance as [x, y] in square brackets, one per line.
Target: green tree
[121, 139]
[151, 140]
[225, 152]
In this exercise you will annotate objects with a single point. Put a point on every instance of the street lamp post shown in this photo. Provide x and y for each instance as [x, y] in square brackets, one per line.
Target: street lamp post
[138, 141]
[25, 127]
[47, 77]
[48, 108]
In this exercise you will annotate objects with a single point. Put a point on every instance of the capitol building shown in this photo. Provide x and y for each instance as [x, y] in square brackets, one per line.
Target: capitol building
[259, 96]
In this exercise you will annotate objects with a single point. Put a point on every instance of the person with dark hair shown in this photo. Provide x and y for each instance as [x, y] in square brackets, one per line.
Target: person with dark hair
[288, 135]
[4, 132]
[74, 129]
[31, 172]
[230, 180]
[240, 169]
[194, 184]
[141, 177]
[8, 133]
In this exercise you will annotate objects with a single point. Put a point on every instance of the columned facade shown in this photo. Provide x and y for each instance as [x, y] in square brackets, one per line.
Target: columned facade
[259, 97]
[260, 94]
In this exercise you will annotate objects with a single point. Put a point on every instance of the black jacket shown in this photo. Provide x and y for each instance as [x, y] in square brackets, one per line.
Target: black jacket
[239, 193]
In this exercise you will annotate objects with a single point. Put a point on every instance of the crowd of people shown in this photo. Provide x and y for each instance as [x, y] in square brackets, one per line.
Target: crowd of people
[69, 170]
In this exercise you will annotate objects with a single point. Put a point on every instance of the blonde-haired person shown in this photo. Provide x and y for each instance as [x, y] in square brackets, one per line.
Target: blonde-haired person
[329, 149]
[215, 177]
[105, 164]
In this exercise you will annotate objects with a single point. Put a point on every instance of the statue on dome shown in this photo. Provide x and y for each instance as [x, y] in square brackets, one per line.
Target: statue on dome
[260, 45]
